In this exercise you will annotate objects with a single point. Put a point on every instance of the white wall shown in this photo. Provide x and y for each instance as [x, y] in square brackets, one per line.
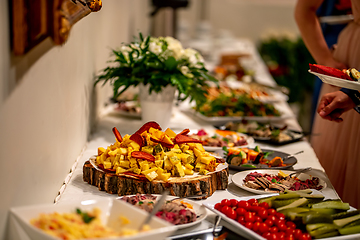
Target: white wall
[46, 97]
[243, 18]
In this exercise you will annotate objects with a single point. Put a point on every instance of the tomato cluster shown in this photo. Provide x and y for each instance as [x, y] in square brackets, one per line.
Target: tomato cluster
[262, 219]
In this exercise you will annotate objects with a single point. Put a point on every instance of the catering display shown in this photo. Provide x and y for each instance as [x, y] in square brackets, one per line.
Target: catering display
[257, 158]
[297, 215]
[265, 132]
[265, 181]
[180, 212]
[216, 139]
[346, 78]
[151, 161]
[90, 219]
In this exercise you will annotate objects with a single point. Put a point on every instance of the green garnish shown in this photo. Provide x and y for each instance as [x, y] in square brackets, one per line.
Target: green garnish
[273, 180]
[248, 165]
[266, 154]
[214, 137]
[226, 140]
[86, 217]
[141, 202]
[275, 133]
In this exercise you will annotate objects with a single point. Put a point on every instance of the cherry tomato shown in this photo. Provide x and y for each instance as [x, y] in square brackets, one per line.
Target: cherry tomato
[253, 200]
[249, 217]
[240, 211]
[263, 228]
[264, 205]
[271, 211]
[231, 214]
[243, 204]
[271, 217]
[305, 236]
[280, 216]
[290, 231]
[278, 222]
[225, 209]
[249, 225]
[273, 236]
[256, 226]
[290, 224]
[280, 235]
[233, 202]
[269, 223]
[241, 220]
[266, 235]
[218, 206]
[289, 237]
[298, 233]
[225, 202]
[273, 229]
[257, 219]
[282, 227]
[263, 214]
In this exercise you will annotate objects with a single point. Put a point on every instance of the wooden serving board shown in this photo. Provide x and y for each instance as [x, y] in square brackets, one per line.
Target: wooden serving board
[181, 187]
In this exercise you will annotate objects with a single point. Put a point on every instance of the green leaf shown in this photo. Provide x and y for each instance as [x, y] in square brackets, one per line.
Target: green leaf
[171, 63]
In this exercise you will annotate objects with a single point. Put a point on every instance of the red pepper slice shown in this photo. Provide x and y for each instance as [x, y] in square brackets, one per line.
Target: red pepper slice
[147, 126]
[143, 155]
[179, 139]
[137, 138]
[329, 71]
[184, 132]
[141, 177]
[117, 134]
[162, 143]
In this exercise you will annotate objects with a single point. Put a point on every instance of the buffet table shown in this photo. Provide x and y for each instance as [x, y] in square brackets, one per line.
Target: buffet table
[75, 189]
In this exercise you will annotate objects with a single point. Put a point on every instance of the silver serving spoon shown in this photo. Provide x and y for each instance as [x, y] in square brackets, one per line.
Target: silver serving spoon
[290, 156]
[192, 196]
[156, 208]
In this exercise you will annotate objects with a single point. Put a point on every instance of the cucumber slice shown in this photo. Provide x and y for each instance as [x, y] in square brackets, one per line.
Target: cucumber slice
[311, 217]
[294, 213]
[343, 221]
[298, 203]
[314, 226]
[350, 230]
[327, 235]
[345, 214]
[277, 203]
[324, 229]
[332, 204]
[354, 223]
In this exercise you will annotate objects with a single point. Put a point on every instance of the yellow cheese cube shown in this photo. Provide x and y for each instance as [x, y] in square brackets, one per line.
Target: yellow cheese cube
[200, 147]
[107, 165]
[164, 176]
[174, 160]
[159, 163]
[137, 170]
[151, 175]
[184, 147]
[149, 170]
[189, 166]
[203, 171]
[197, 152]
[188, 171]
[167, 140]
[123, 151]
[101, 150]
[144, 166]
[120, 170]
[113, 153]
[199, 166]
[170, 133]
[134, 146]
[176, 146]
[179, 171]
[167, 164]
[206, 160]
[124, 164]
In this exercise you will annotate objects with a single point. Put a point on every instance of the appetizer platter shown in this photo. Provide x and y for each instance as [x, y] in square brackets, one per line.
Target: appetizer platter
[347, 78]
[265, 132]
[180, 212]
[213, 140]
[101, 219]
[152, 161]
[267, 181]
[302, 215]
[251, 159]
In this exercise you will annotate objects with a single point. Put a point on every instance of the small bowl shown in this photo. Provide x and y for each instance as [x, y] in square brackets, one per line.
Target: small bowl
[111, 209]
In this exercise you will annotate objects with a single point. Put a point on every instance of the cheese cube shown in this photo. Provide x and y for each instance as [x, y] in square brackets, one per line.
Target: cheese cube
[179, 171]
[170, 133]
[151, 175]
[107, 165]
[120, 170]
[164, 176]
[101, 150]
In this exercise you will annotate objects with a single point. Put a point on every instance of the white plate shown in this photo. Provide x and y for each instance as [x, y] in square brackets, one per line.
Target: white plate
[339, 82]
[249, 234]
[249, 140]
[199, 209]
[238, 179]
[341, 19]
[111, 209]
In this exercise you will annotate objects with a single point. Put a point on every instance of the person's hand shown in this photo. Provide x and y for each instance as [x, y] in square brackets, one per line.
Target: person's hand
[333, 105]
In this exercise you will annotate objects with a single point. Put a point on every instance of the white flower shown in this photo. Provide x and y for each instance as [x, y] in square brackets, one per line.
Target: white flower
[175, 46]
[155, 47]
[125, 51]
[186, 72]
[193, 57]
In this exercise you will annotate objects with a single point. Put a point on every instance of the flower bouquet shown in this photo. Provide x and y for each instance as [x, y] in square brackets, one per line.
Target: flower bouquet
[158, 63]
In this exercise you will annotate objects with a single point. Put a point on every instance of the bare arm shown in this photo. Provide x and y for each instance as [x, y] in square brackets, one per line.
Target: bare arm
[310, 29]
